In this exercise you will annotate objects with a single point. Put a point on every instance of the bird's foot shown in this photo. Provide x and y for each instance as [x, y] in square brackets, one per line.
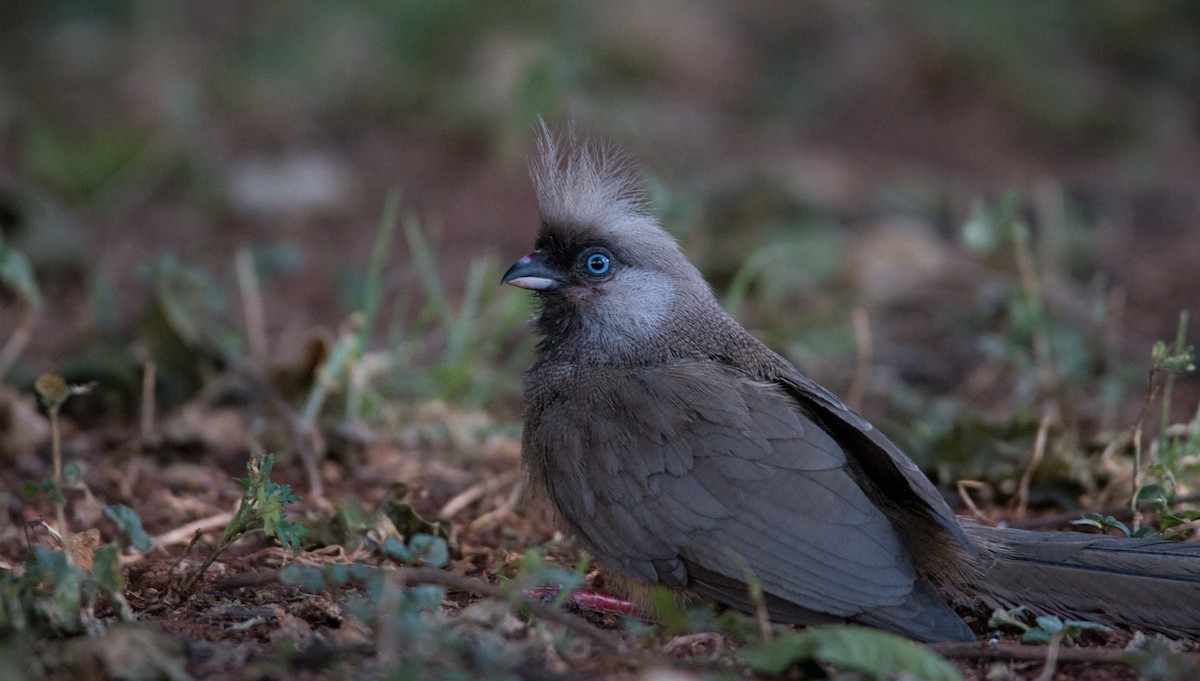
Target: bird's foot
[587, 599]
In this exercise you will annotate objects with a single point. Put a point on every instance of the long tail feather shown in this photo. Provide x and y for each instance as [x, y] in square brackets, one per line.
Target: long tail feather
[1148, 584]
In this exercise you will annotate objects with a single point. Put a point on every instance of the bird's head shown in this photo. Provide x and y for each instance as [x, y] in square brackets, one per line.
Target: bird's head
[606, 273]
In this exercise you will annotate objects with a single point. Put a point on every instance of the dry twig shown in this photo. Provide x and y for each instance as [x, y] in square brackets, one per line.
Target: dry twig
[502, 510]
[862, 359]
[962, 486]
[252, 305]
[1017, 651]
[1052, 652]
[184, 533]
[1121, 513]
[470, 495]
[1021, 500]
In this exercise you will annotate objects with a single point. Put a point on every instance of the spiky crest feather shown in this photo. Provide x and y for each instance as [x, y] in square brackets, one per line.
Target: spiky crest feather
[588, 187]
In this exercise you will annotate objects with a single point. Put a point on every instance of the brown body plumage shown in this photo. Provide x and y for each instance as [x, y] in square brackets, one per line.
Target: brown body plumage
[682, 451]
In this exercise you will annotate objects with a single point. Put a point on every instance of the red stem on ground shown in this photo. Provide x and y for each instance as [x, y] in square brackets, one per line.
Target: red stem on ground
[588, 599]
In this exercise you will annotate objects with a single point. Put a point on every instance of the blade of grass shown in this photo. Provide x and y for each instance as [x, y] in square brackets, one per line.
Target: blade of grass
[372, 294]
[1166, 453]
[379, 252]
[463, 330]
[423, 258]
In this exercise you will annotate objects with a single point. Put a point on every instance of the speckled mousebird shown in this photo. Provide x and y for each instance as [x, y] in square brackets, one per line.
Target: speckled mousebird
[680, 450]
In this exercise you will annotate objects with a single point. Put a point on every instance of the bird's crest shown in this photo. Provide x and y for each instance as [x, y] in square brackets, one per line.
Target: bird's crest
[582, 182]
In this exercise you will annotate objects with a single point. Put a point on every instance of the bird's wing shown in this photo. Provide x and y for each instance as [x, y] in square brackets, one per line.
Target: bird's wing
[694, 475]
[898, 478]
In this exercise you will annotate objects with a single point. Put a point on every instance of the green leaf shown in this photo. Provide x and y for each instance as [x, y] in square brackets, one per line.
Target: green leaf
[30, 489]
[60, 585]
[1050, 623]
[776, 656]
[1008, 618]
[1170, 361]
[870, 652]
[1153, 494]
[1158, 661]
[16, 273]
[130, 524]
[106, 572]
[427, 596]
[1102, 523]
[291, 534]
[44, 564]
[1117, 524]
[306, 577]
[262, 503]
[372, 578]
[393, 547]
[1036, 636]
[72, 474]
[421, 549]
[337, 574]
[1179, 517]
[192, 304]
[1074, 627]
[106, 568]
[430, 550]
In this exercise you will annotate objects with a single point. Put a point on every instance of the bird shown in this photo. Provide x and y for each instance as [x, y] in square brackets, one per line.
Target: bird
[681, 451]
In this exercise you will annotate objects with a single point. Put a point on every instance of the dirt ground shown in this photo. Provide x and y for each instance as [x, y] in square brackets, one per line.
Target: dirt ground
[239, 621]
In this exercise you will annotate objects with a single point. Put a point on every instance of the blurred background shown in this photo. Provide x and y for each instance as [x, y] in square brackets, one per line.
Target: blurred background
[970, 217]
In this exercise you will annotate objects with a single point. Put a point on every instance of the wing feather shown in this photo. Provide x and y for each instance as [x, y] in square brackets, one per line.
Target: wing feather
[696, 469]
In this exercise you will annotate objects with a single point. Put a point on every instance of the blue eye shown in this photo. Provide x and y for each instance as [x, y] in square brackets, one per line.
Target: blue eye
[596, 264]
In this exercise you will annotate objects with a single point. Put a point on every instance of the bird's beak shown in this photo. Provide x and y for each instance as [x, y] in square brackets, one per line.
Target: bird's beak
[531, 273]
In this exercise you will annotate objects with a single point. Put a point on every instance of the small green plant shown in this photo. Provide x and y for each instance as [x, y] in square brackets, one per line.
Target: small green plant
[260, 511]
[54, 393]
[1045, 628]
[1055, 361]
[58, 597]
[130, 525]
[420, 550]
[369, 307]
[461, 354]
[1049, 626]
[192, 305]
[262, 505]
[59, 591]
[1159, 659]
[1174, 449]
[534, 574]
[413, 637]
[1051, 363]
[474, 361]
[1104, 523]
[16, 274]
[872, 653]
[1172, 454]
